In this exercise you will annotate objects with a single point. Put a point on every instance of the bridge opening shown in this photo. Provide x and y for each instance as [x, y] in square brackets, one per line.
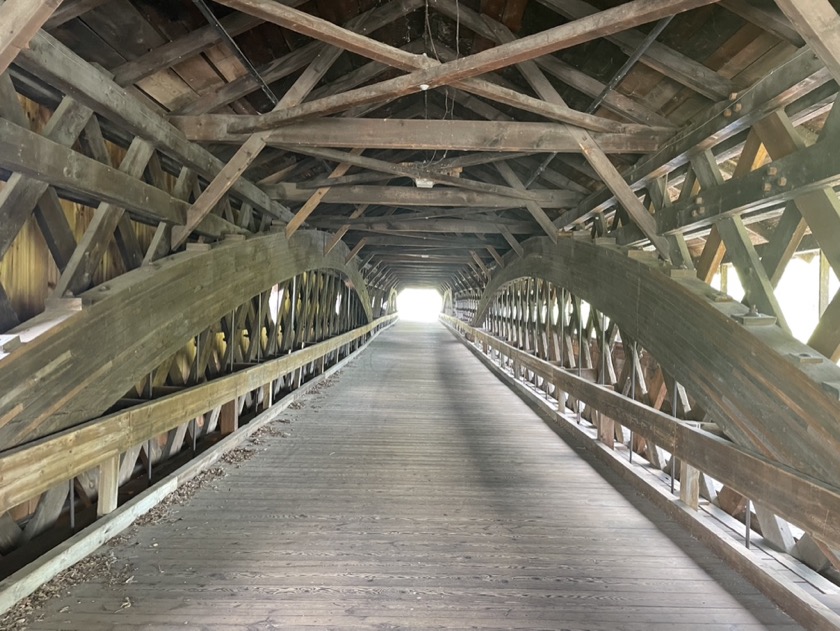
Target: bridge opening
[419, 305]
[803, 291]
[627, 211]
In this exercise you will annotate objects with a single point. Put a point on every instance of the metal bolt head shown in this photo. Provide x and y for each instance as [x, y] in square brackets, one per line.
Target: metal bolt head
[727, 113]
[772, 171]
[783, 181]
[698, 200]
[767, 187]
[738, 107]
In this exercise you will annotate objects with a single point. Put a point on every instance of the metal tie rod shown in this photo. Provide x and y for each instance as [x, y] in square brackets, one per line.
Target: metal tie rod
[214, 21]
[617, 78]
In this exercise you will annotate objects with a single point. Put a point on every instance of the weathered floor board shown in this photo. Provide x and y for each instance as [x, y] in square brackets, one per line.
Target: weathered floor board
[417, 492]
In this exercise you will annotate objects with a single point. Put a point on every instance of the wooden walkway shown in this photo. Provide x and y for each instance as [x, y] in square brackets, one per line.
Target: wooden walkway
[416, 492]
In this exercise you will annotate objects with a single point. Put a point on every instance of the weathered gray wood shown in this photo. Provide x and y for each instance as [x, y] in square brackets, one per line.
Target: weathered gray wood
[757, 285]
[437, 174]
[593, 153]
[617, 103]
[824, 337]
[21, 19]
[50, 60]
[55, 228]
[109, 480]
[49, 508]
[301, 57]
[465, 68]
[411, 196]
[533, 207]
[755, 408]
[220, 272]
[36, 157]
[819, 209]
[38, 467]
[800, 75]
[23, 582]
[8, 316]
[765, 17]
[658, 56]
[429, 74]
[21, 194]
[344, 228]
[718, 457]
[70, 9]
[806, 171]
[441, 226]
[508, 235]
[802, 604]
[759, 290]
[315, 199]
[251, 148]
[497, 545]
[818, 23]
[79, 271]
[10, 533]
[183, 48]
[461, 135]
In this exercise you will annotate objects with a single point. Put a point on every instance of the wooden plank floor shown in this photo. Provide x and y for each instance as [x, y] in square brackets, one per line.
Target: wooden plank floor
[417, 493]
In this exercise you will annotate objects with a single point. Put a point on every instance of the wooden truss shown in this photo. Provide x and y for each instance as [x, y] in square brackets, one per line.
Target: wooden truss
[208, 213]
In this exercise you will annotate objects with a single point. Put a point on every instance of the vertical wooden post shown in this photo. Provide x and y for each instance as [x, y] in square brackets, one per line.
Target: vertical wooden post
[824, 295]
[689, 485]
[267, 394]
[229, 417]
[606, 430]
[109, 480]
[560, 395]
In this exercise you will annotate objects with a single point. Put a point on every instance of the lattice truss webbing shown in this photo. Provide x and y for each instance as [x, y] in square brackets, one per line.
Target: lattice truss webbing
[309, 308]
[297, 313]
[553, 324]
[96, 223]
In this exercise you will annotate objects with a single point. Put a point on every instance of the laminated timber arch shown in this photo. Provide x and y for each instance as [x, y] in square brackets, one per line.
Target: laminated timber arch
[745, 378]
[448, 302]
[142, 317]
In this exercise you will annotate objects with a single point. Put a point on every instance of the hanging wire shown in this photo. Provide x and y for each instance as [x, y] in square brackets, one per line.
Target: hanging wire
[208, 14]
[449, 102]
[428, 33]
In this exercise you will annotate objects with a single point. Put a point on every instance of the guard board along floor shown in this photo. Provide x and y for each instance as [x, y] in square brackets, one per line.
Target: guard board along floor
[415, 492]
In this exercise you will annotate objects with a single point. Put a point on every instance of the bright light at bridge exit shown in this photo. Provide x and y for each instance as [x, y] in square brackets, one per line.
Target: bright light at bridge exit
[419, 305]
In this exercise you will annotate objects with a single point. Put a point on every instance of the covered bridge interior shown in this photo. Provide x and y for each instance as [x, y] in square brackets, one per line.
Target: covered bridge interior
[629, 210]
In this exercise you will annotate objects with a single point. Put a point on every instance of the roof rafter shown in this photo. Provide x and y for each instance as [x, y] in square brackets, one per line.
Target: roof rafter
[432, 74]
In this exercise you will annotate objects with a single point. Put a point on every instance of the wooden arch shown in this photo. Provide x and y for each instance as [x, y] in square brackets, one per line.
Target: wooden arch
[130, 324]
[448, 302]
[764, 388]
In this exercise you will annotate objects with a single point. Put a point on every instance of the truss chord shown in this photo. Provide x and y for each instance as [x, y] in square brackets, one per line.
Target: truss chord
[135, 160]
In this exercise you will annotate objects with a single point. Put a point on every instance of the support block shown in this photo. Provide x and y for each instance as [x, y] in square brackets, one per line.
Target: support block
[8, 343]
[750, 320]
[229, 417]
[109, 481]
[689, 485]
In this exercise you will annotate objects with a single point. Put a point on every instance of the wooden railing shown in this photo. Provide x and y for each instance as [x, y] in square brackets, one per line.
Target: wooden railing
[811, 504]
[29, 470]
